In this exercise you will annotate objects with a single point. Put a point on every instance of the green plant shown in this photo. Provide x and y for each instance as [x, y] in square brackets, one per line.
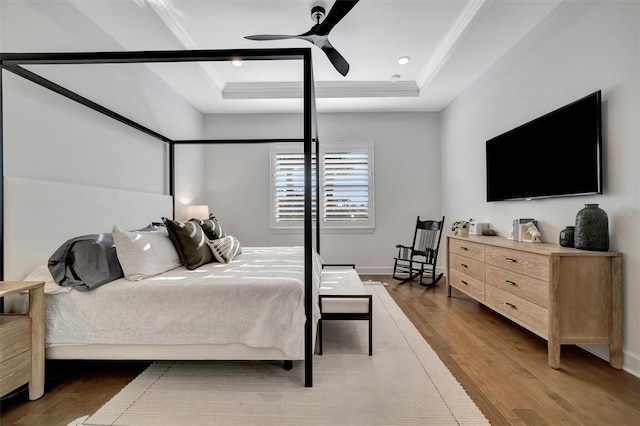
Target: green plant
[461, 224]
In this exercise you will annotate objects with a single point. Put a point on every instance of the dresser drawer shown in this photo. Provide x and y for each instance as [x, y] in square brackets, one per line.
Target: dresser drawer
[525, 313]
[467, 266]
[529, 288]
[15, 336]
[15, 372]
[526, 263]
[467, 284]
[467, 249]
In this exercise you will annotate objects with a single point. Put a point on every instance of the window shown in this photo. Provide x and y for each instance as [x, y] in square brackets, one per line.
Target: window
[287, 188]
[346, 186]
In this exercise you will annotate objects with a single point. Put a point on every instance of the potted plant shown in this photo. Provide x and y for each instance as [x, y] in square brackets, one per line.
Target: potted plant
[461, 227]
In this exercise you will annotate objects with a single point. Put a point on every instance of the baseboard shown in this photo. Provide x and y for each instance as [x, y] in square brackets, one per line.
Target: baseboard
[383, 270]
[601, 351]
[630, 360]
[631, 363]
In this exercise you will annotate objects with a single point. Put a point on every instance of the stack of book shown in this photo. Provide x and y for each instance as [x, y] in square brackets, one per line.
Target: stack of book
[519, 228]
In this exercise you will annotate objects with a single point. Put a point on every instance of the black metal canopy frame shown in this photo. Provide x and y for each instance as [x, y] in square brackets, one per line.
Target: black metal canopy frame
[14, 62]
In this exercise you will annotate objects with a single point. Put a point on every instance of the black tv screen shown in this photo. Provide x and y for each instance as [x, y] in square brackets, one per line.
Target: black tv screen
[558, 154]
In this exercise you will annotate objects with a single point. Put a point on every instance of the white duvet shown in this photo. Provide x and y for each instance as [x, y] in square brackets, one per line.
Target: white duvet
[257, 300]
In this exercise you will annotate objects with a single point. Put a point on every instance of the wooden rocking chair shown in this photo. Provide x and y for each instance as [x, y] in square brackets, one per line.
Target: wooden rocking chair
[419, 260]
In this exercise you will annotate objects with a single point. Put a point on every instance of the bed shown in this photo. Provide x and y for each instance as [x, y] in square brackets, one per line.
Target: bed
[28, 207]
[251, 308]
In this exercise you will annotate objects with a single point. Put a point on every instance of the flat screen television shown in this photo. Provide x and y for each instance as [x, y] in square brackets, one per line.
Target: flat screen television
[558, 154]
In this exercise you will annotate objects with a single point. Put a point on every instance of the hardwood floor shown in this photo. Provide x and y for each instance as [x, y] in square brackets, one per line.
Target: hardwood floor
[73, 389]
[502, 366]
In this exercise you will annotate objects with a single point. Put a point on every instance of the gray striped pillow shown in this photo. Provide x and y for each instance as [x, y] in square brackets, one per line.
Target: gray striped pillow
[225, 249]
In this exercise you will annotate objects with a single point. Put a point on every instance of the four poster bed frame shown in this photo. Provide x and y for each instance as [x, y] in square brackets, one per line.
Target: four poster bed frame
[15, 62]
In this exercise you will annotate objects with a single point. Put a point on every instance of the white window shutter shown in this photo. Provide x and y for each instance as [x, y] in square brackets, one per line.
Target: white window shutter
[288, 181]
[346, 186]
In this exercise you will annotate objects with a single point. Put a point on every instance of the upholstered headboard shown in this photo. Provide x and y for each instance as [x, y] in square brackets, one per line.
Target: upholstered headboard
[41, 215]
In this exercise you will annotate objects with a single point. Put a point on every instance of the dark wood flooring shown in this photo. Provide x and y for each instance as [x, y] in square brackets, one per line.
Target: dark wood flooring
[502, 366]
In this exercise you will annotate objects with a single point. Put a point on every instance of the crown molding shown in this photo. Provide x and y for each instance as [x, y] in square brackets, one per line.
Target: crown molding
[447, 46]
[168, 16]
[323, 89]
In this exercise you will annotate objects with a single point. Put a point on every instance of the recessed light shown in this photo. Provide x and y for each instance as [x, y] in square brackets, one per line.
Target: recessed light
[395, 77]
[237, 62]
[404, 60]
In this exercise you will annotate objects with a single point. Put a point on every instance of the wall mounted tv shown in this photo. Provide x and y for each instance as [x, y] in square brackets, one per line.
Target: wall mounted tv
[556, 155]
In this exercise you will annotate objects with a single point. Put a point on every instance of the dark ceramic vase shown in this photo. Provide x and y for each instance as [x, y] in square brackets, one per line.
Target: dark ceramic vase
[592, 229]
[567, 236]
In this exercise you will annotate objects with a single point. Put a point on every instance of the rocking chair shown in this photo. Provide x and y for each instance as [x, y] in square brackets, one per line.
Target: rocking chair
[419, 260]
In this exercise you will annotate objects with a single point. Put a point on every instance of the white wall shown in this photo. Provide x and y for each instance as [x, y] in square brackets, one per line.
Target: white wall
[580, 48]
[47, 136]
[190, 178]
[406, 181]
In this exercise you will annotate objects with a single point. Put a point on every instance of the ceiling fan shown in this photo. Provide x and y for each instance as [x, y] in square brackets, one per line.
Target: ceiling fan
[319, 33]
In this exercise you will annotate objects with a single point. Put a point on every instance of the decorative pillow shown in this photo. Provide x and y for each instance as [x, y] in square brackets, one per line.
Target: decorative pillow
[144, 254]
[85, 262]
[211, 227]
[190, 242]
[226, 248]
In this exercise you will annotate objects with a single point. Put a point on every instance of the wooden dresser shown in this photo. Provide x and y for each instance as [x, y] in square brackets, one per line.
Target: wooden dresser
[564, 295]
[22, 341]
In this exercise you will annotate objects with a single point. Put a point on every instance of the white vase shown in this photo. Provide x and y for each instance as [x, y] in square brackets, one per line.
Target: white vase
[463, 232]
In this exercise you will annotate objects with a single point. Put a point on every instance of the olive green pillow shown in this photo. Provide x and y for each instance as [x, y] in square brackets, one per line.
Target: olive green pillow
[190, 242]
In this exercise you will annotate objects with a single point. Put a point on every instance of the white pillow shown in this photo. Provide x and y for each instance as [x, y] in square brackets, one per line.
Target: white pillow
[225, 249]
[41, 273]
[144, 254]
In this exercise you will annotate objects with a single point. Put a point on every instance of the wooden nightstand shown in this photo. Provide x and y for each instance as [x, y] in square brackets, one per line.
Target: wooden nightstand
[22, 341]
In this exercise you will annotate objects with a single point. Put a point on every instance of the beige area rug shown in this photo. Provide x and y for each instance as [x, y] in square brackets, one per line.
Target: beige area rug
[403, 383]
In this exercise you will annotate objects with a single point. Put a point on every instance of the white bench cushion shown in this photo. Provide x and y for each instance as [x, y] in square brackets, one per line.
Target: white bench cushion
[345, 282]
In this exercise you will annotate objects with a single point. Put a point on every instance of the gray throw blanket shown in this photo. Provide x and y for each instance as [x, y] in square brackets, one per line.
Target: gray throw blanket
[85, 262]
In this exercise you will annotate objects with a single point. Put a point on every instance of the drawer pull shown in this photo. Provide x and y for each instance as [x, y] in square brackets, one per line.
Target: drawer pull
[510, 260]
[464, 282]
[464, 248]
[511, 282]
[512, 306]
[463, 265]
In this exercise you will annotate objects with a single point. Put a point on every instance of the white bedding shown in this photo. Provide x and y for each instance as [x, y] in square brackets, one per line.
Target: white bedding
[256, 300]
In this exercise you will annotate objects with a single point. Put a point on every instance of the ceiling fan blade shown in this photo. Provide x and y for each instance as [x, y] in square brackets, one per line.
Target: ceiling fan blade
[338, 11]
[336, 59]
[270, 37]
[318, 34]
